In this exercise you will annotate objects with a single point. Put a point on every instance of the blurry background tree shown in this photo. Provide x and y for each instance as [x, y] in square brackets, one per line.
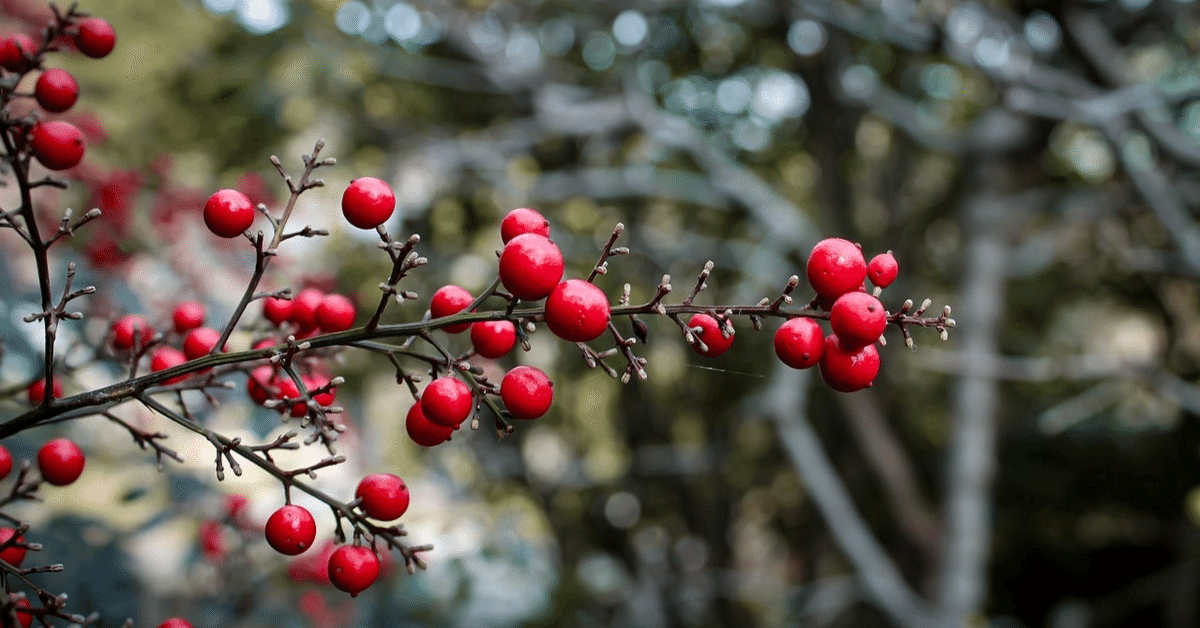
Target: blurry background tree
[1035, 164]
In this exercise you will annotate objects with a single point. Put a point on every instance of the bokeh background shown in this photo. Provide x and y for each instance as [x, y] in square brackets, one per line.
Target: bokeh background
[1034, 164]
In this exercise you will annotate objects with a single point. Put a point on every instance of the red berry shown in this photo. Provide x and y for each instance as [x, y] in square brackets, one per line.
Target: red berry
[848, 369]
[56, 90]
[228, 213]
[15, 50]
[526, 392]
[312, 383]
[800, 343]
[277, 310]
[336, 313]
[424, 432]
[60, 461]
[200, 342]
[530, 266]
[368, 202]
[523, 220]
[256, 385]
[291, 530]
[447, 401]
[24, 616]
[129, 329]
[287, 389]
[175, 622]
[450, 300]
[577, 311]
[883, 269]
[353, 568]
[493, 339]
[236, 505]
[858, 319]
[835, 267]
[711, 335]
[187, 316]
[384, 496]
[96, 38]
[164, 358]
[304, 308]
[14, 555]
[212, 539]
[5, 462]
[37, 390]
[57, 145]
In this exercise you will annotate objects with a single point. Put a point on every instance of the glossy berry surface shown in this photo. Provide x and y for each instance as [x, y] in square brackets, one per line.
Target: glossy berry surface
[336, 313]
[175, 622]
[882, 270]
[291, 530]
[57, 145]
[96, 38]
[131, 328]
[13, 51]
[200, 342]
[6, 462]
[304, 308]
[278, 311]
[493, 339]
[424, 432]
[384, 496]
[187, 316]
[368, 202]
[353, 568]
[56, 90]
[800, 343]
[530, 266]
[447, 401]
[285, 389]
[577, 311]
[715, 342]
[858, 319]
[60, 461]
[258, 384]
[164, 358]
[37, 390]
[523, 220]
[14, 555]
[23, 616]
[527, 392]
[835, 267]
[450, 300]
[228, 213]
[848, 369]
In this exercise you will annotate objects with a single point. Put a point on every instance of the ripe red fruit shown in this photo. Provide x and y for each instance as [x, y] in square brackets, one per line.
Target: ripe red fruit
[523, 220]
[800, 343]
[228, 213]
[287, 389]
[313, 383]
[577, 311]
[24, 616]
[848, 369]
[336, 313]
[858, 319]
[447, 401]
[96, 38]
[883, 269]
[212, 540]
[304, 308]
[187, 316]
[175, 622]
[277, 310]
[5, 462]
[14, 555]
[710, 334]
[384, 496]
[353, 568]
[424, 432]
[256, 385]
[291, 530]
[37, 390]
[129, 329]
[368, 202]
[493, 339]
[164, 358]
[15, 50]
[526, 392]
[450, 300]
[200, 342]
[56, 90]
[835, 267]
[57, 145]
[60, 461]
[530, 266]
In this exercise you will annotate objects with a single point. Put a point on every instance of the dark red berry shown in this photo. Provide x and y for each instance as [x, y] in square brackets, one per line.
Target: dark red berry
[14, 555]
[56, 90]
[188, 316]
[848, 369]
[800, 343]
[291, 530]
[577, 311]
[15, 51]
[447, 401]
[5, 462]
[37, 391]
[530, 266]
[450, 300]
[368, 202]
[96, 38]
[493, 339]
[200, 342]
[835, 267]
[304, 308]
[57, 145]
[24, 616]
[164, 358]
[882, 270]
[175, 622]
[527, 392]
[424, 432]
[286, 389]
[715, 342]
[311, 384]
[384, 496]
[258, 382]
[277, 310]
[60, 461]
[336, 313]
[353, 568]
[131, 328]
[858, 319]
[228, 213]
[523, 220]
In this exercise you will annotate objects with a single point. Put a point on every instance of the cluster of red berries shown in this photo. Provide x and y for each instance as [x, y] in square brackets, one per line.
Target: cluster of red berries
[57, 144]
[132, 334]
[61, 462]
